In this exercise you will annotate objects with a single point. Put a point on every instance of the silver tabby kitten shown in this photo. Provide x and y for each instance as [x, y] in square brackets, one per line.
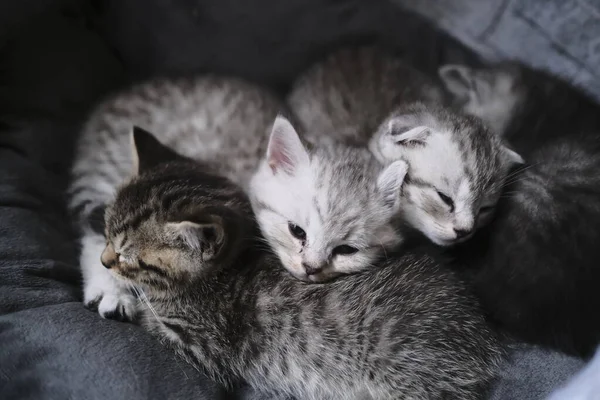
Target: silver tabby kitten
[225, 122]
[328, 210]
[220, 120]
[368, 97]
[407, 330]
[346, 96]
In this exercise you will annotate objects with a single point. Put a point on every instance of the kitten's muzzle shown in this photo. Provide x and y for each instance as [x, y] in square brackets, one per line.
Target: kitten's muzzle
[109, 257]
[463, 233]
[312, 269]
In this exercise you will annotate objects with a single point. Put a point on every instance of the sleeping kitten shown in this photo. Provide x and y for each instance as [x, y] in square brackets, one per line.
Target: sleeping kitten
[457, 169]
[536, 267]
[222, 121]
[406, 330]
[346, 96]
[511, 98]
[325, 211]
[225, 123]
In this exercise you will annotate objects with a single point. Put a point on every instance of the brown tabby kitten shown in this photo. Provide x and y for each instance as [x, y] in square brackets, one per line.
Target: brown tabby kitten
[185, 238]
[349, 94]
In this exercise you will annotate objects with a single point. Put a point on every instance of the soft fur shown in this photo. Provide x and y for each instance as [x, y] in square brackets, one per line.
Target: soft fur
[347, 95]
[340, 197]
[457, 169]
[220, 120]
[367, 96]
[406, 330]
[536, 268]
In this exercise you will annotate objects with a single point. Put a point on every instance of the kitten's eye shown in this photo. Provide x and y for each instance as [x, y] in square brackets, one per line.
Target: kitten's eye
[296, 231]
[344, 250]
[486, 209]
[446, 200]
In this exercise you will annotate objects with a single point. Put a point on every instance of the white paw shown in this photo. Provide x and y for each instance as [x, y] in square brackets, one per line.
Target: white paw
[112, 303]
[102, 292]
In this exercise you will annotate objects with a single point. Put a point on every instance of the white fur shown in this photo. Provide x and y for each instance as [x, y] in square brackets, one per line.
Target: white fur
[436, 161]
[99, 285]
[306, 194]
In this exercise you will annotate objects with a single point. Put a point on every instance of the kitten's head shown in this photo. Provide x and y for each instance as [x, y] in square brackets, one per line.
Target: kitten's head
[493, 94]
[325, 211]
[174, 221]
[456, 170]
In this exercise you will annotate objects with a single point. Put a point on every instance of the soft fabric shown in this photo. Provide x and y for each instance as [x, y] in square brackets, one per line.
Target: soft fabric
[55, 61]
[562, 36]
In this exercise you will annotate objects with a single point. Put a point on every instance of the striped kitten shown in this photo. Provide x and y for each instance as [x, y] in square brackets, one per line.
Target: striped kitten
[183, 236]
[536, 268]
[456, 168]
[346, 96]
[328, 210]
[225, 123]
[219, 120]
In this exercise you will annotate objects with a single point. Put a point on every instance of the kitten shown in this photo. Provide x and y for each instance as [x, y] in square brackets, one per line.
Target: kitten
[511, 98]
[328, 210]
[406, 330]
[456, 167]
[346, 96]
[536, 267]
[225, 123]
[220, 120]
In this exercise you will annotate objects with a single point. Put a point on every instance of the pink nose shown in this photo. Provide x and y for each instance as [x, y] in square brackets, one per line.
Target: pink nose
[311, 269]
[462, 233]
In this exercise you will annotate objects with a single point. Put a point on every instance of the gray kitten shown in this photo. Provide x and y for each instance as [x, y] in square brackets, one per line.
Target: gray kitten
[536, 267]
[349, 94]
[220, 120]
[183, 237]
[226, 122]
[456, 167]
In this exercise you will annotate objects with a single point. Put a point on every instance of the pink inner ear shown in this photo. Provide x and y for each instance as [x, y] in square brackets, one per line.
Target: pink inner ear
[278, 156]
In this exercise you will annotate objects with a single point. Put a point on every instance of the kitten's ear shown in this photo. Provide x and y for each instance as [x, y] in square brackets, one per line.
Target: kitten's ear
[459, 80]
[513, 157]
[198, 236]
[285, 151]
[148, 152]
[390, 181]
[406, 135]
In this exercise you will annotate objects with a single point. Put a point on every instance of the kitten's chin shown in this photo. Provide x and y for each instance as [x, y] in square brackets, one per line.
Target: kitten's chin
[315, 279]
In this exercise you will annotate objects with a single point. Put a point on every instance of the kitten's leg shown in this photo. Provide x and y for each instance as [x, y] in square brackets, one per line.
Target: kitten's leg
[101, 291]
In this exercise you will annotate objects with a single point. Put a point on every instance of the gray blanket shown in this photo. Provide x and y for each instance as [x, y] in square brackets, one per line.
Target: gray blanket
[57, 57]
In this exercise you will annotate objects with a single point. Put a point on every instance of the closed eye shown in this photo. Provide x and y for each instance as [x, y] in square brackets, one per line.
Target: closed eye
[344, 250]
[486, 209]
[446, 199]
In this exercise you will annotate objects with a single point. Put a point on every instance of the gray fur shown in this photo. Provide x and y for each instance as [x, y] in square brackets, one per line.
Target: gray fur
[346, 96]
[536, 267]
[406, 330]
[219, 120]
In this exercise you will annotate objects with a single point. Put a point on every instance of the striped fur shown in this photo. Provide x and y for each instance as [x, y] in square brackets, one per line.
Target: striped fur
[219, 120]
[366, 96]
[405, 330]
[536, 267]
[347, 95]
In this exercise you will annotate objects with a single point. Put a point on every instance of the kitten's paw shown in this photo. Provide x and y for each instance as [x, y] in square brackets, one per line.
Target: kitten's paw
[117, 303]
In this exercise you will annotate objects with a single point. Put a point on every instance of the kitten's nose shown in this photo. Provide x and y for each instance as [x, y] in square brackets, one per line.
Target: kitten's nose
[311, 269]
[461, 233]
[109, 257]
